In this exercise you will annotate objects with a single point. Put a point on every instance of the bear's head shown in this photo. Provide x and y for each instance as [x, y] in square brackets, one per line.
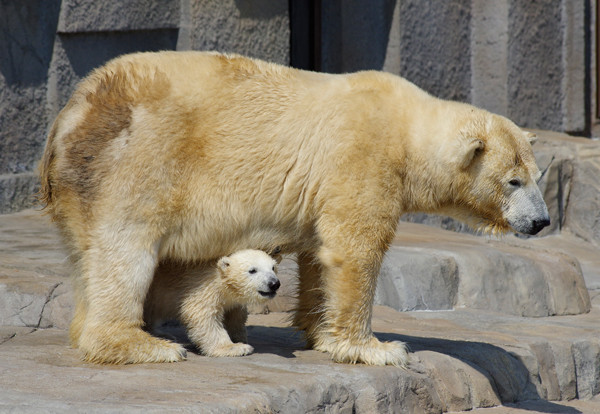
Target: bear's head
[250, 275]
[493, 176]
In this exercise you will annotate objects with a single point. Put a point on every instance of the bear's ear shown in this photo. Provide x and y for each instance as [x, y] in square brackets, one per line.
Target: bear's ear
[470, 151]
[531, 137]
[223, 263]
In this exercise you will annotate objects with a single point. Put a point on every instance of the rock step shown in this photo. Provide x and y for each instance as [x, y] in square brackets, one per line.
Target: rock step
[461, 360]
[34, 283]
[428, 268]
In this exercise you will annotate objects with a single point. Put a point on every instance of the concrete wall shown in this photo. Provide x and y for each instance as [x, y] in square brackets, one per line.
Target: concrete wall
[47, 46]
[529, 60]
[519, 58]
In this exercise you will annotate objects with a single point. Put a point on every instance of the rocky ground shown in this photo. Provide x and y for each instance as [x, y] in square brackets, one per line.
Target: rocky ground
[495, 326]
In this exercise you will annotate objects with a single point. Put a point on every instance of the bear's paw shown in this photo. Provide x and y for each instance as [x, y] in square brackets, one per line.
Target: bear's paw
[128, 346]
[371, 352]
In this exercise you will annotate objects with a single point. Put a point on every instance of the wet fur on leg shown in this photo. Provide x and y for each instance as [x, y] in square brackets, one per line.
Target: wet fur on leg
[126, 345]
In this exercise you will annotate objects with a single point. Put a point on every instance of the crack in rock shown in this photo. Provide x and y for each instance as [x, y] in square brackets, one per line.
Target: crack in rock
[7, 338]
[49, 297]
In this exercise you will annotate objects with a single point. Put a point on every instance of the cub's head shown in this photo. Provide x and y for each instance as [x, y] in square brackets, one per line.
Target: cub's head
[250, 275]
[495, 179]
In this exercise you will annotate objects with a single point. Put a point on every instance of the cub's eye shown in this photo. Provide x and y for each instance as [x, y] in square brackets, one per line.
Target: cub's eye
[273, 267]
[515, 182]
[252, 271]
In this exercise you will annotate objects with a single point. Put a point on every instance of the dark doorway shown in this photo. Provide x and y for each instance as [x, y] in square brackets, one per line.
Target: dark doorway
[305, 34]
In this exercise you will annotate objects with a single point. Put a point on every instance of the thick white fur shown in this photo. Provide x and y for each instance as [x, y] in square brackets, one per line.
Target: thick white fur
[210, 299]
[189, 156]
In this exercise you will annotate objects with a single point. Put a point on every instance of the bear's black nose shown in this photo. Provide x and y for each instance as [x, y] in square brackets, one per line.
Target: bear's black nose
[274, 285]
[538, 225]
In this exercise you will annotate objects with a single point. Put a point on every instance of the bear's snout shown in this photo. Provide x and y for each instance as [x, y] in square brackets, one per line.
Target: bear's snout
[526, 210]
[538, 225]
[274, 284]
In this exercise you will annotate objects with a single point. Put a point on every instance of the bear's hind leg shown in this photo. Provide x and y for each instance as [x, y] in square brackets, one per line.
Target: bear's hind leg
[235, 323]
[118, 274]
[78, 320]
[309, 309]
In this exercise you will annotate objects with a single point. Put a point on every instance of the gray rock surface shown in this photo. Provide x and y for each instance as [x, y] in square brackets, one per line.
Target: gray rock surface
[432, 269]
[258, 29]
[541, 406]
[16, 191]
[571, 186]
[462, 359]
[413, 278]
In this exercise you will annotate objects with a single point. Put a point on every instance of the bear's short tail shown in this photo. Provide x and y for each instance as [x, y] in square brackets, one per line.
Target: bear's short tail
[45, 195]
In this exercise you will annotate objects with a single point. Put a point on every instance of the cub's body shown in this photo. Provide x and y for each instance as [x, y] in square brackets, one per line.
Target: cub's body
[210, 299]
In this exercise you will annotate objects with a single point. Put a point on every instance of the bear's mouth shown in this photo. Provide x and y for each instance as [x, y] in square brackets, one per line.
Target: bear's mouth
[269, 295]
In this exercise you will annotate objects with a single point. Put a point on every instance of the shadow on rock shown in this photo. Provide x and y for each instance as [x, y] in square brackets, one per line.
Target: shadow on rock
[265, 340]
[543, 406]
[507, 374]
[275, 340]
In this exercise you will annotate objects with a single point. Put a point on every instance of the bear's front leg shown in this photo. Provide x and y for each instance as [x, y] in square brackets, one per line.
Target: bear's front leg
[345, 328]
[350, 259]
[118, 274]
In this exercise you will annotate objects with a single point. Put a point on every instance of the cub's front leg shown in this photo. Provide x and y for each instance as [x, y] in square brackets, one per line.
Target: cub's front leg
[204, 318]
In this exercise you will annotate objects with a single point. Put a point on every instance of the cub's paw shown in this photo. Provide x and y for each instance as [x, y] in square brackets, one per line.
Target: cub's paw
[231, 350]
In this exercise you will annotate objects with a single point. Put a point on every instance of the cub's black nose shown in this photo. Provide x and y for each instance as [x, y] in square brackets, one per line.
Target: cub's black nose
[274, 285]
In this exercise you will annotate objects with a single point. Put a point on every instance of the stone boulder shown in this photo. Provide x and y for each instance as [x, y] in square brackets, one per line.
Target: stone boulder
[432, 269]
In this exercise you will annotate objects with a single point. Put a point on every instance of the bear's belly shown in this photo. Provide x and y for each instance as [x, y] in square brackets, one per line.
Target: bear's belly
[191, 244]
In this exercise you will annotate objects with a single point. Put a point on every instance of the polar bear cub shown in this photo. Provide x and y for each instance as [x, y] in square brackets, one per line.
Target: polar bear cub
[210, 299]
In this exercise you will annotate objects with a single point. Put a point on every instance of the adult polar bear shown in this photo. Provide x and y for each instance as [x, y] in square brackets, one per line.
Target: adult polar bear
[191, 156]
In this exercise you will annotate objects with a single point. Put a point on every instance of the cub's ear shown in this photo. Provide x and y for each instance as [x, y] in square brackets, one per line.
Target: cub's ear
[223, 263]
[470, 150]
[276, 254]
[530, 137]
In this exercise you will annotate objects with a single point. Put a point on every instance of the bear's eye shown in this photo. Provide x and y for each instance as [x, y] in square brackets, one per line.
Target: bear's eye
[273, 268]
[515, 182]
[252, 270]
